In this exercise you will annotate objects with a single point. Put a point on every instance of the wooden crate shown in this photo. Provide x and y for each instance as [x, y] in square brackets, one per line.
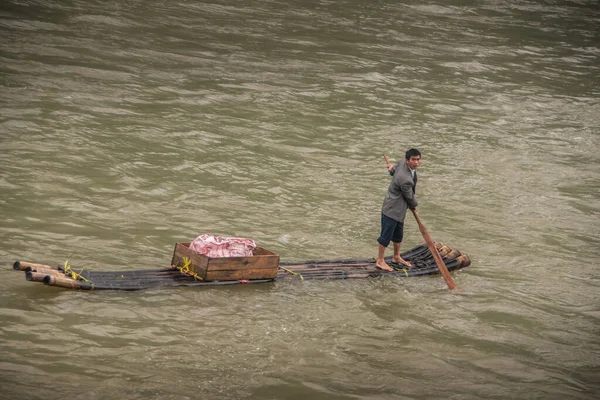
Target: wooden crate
[262, 265]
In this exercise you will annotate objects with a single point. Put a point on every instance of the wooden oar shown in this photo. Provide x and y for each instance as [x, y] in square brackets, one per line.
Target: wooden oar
[434, 252]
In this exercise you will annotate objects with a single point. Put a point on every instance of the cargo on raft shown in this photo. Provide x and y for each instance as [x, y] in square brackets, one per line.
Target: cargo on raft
[193, 269]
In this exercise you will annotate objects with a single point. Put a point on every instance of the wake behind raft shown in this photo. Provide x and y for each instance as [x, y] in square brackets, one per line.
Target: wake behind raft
[189, 268]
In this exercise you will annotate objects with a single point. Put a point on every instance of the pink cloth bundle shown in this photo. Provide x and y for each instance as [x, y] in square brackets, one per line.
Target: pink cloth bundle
[222, 246]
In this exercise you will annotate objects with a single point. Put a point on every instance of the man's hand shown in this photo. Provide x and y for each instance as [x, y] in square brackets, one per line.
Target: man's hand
[388, 163]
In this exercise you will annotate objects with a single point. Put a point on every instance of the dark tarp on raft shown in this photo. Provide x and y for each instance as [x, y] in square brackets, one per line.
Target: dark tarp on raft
[420, 256]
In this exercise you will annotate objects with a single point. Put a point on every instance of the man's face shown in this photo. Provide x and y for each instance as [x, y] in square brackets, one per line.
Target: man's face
[413, 162]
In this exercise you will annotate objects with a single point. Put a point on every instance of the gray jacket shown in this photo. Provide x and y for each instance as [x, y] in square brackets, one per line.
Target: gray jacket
[400, 194]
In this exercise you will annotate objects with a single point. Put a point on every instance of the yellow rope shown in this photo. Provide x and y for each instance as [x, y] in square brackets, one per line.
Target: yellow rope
[185, 269]
[405, 271]
[292, 272]
[74, 275]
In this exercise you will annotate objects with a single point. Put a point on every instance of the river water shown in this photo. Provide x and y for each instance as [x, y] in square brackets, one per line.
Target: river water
[128, 126]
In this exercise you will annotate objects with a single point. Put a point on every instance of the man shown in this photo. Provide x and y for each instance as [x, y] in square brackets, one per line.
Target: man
[399, 197]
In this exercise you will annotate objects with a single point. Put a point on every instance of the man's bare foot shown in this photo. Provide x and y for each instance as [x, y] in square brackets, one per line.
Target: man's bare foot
[402, 261]
[383, 265]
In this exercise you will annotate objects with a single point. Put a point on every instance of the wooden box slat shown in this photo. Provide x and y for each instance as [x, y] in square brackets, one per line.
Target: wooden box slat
[233, 275]
[262, 265]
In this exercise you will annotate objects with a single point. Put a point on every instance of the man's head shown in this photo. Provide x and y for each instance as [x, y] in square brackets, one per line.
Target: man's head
[413, 158]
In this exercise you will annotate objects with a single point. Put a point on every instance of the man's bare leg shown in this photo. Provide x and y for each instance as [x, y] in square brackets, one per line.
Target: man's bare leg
[396, 257]
[380, 262]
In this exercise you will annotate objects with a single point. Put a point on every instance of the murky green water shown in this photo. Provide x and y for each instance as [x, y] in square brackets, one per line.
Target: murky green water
[126, 127]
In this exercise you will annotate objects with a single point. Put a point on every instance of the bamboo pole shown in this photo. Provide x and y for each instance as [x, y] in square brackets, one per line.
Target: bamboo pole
[66, 282]
[23, 265]
[414, 252]
[140, 283]
[444, 250]
[463, 260]
[45, 271]
[35, 276]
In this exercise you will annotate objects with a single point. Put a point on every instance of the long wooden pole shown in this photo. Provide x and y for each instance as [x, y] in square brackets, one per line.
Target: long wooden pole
[434, 252]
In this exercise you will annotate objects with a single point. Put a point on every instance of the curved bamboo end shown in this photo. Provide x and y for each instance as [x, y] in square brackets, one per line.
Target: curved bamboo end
[443, 250]
[453, 254]
[463, 260]
[17, 266]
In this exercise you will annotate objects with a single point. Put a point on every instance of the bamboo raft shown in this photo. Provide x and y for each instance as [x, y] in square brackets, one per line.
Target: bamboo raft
[65, 277]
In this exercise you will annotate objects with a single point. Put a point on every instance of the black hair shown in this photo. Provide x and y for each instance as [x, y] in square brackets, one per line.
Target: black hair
[412, 153]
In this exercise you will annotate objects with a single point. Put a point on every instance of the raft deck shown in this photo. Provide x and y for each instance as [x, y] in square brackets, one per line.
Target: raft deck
[67, 277]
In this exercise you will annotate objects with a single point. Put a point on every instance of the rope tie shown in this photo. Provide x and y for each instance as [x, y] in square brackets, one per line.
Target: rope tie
[185, 269]
[292, 272]
[74, 275]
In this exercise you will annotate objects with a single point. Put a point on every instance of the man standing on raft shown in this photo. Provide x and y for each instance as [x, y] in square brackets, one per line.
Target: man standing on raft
[399, 197]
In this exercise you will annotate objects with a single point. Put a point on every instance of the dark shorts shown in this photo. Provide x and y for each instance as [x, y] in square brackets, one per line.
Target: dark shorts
[391, 230]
